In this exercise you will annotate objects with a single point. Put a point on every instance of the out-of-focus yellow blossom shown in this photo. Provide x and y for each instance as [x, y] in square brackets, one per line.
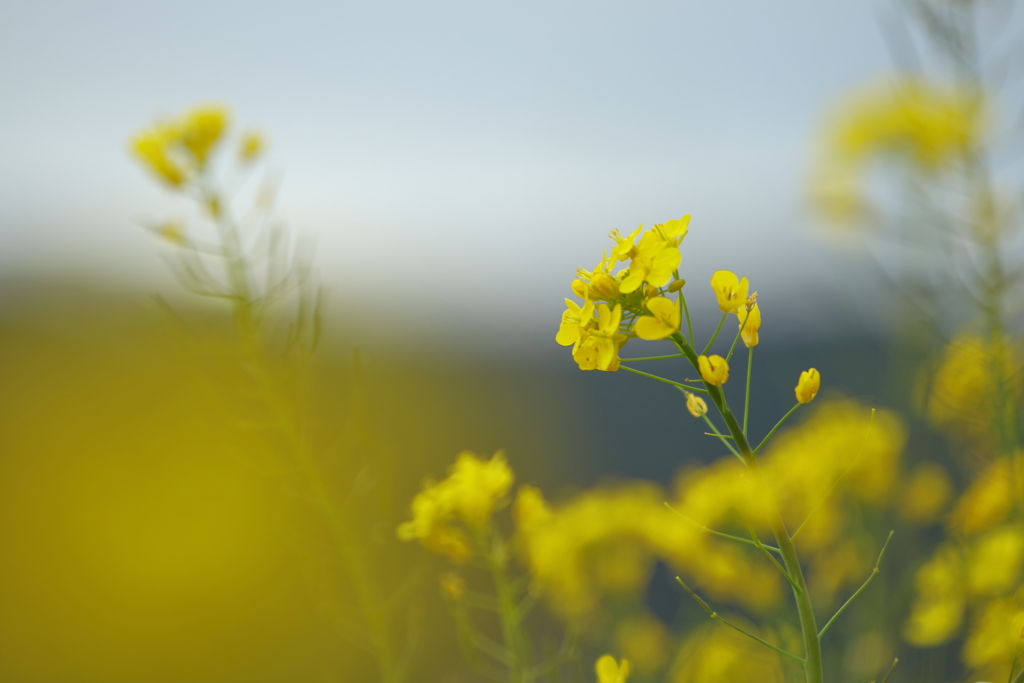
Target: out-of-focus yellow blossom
[807, 387]
[926, 493]
[575, 319]
[696, 405]
[601, 340]
[153, 147]
[730, 290]
[605, 542]
[251, 146]
[453, 586]
[925, 125]
[717, 653]
[995, 561]
[653, 261]
[610, 671]
[839, 565]
[530, 509]
[471, 493]
[750, 322]
[643, 641]
[176, 150]
[713, 369]
[994, 637]
[173, 232]
[939, 608]
[663, 321]
[964, 390]
[987, 501]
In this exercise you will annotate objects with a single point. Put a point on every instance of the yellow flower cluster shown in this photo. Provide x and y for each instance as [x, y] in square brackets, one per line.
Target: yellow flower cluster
[925, 125]
[965, 389]
[628, 301]
[731, 293]
[177, 150]
[713, 653]
[977, 571]
[470, 494]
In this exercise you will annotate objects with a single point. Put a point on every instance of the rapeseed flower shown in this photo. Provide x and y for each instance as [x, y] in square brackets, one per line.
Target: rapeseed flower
[713, 369]
[730, 290]
[599, 342]
[653, 261]
[176, 150]
[808, 386]
[575, 320]
[664, 319]
[610, 671]
[925, 494]
[750, 321]
[696, 405]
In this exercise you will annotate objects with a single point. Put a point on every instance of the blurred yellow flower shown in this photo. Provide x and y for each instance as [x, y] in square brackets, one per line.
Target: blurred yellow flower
[713, 369]
[610, 671]
[995, 561]
[530, 509]
[643, 641]
[173, 232]
[201, 128]
[807, 387]
[750, 322]
[926, 493]
[986, 502]
[178, 149]
[719, 654]
[730, 291]
[696, 405]
[664, 320]
[938, 609]
[153, 147]
[453, 586]
[251, 146]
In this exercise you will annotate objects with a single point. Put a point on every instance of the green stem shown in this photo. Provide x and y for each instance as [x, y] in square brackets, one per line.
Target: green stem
[628, 360]
[686, 310]
[805, 609]
[660, 379]
[720, 437]
[777, 425]
[746, 400]
[738, 539]
[509, 617]
[715, 335]
[735, 339]
[874, 573]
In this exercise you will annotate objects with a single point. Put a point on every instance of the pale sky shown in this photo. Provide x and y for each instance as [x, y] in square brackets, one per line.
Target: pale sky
[453, 159]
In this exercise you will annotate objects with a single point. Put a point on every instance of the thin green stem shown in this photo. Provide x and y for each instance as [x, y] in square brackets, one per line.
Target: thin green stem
[714, 615]
[686, 312]
[777, 425]
[715, 335]
[874, 573]
[660, 379]
[628, 360]
[721, 438]
[1013, 667]
[746, 400]
[738, 539]
[760, 546]
[508, 617]
[891, 669]
[735, 339]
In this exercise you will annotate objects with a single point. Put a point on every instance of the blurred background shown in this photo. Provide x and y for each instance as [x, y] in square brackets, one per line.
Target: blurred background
[448, 166]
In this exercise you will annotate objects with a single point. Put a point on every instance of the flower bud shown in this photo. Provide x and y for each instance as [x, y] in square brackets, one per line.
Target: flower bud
[696, 405]
[713, 369]
[807, 387]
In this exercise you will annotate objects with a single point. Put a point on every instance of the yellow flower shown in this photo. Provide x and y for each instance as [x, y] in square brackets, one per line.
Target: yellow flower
[653, 261]
[530, 509]
[599, 346]
[675, 230]
[201, 129]
[643, 640]
[696, 405]
[575, 319]
[939, 608]
[153, 149]
[597, 284]
[624, 248]
[251, 146]
[610, 671]
[807, 387]
[711, 653]
[995, 561]
[478, 485]
[730, 291]
[750, 322]
[926, 494]
[664, 321]
[713, 369]
[431, 510]
[986, 502]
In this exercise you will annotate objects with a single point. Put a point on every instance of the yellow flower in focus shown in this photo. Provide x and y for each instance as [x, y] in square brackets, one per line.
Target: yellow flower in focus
[610, 671]
[575, 319]
[201, 128]
[597, 284]
[730, 291]
[807, 387]
[696, 405]
[713, 369]
[675, 230]
[664, 321]
[624, 246]
[654, 260]
[530, 509]
[153, 148]
[599, 345]
[750, 322]
[926, 494]
[251, 146]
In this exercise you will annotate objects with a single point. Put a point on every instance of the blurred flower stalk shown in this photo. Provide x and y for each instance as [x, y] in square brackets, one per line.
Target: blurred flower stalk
[249, 262]
[948, 240]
